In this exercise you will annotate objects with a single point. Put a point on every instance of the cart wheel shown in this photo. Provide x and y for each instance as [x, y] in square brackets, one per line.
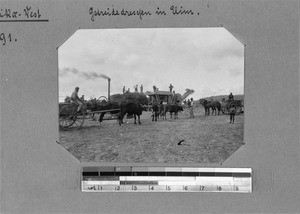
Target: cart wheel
[102, 98]
[69, 119]
[225, 110]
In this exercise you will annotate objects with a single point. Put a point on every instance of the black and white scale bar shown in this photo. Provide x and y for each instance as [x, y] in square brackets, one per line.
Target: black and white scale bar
[166, 171]
[160, 186]
[167, 188]
[208, 174]
[166, 179]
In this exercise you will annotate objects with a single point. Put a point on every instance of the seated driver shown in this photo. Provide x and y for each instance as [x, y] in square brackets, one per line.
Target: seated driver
[76, 100]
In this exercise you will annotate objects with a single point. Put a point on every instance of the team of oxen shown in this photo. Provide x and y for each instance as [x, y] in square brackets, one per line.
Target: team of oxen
[160, 110]
[215, 106]
[134, 106]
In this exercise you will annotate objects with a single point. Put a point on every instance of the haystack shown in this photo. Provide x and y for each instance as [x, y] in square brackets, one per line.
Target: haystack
[129, 97]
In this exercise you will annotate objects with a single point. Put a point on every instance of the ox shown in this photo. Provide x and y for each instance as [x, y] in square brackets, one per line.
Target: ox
[130, 108]
[173, 108]
[155, 111]
[214, 105]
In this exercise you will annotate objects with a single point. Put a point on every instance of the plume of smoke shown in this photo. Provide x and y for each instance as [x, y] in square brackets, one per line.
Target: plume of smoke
[86, 75]
[67, 71]
[94, 75]
[104, 76]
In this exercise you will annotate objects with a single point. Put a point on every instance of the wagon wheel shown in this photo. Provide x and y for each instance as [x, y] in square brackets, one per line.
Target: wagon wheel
[69, 119]
[237, 106]
[102, 98]
[225, 109]
[238, 109]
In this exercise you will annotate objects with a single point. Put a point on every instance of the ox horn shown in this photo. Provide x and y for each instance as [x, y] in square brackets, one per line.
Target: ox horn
[143, 105]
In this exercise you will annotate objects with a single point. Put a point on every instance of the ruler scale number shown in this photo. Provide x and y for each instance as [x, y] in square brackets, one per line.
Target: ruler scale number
[166, 179]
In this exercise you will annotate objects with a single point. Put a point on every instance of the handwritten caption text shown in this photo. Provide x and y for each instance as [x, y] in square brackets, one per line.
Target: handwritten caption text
[140, 13]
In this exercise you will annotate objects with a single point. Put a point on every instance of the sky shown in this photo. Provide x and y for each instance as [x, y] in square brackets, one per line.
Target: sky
[208, 60]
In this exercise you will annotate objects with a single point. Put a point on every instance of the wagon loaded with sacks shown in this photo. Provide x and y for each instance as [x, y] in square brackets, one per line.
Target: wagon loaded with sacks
[227, 105]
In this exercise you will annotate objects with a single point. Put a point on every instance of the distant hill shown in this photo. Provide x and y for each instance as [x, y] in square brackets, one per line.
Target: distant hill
[220, 97]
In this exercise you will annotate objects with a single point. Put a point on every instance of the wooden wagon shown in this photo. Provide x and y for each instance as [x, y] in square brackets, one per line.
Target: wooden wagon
[226, 105]
[70, 119]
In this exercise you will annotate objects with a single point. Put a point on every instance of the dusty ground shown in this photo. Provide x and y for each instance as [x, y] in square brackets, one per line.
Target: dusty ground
[207, 139]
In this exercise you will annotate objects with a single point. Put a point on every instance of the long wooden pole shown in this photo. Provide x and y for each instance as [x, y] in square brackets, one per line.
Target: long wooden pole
[108, 97]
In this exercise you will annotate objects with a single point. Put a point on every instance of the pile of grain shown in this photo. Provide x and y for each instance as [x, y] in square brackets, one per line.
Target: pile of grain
[129, 97]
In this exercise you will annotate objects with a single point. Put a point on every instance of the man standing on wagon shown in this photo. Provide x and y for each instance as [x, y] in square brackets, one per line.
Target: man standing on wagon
[171, 87]
[76, 100]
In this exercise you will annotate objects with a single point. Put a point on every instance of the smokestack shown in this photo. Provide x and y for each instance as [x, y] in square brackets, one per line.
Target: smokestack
[108, 79]
[108, 97]
[96, 75]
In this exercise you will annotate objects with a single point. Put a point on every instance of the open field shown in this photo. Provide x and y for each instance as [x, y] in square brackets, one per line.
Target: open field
[207, 139]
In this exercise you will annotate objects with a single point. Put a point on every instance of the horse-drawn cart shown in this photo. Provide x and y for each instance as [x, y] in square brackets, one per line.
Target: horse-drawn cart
[227, 105]
[70, 119]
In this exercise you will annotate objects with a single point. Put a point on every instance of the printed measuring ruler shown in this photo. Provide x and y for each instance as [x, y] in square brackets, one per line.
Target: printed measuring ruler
[166, 179]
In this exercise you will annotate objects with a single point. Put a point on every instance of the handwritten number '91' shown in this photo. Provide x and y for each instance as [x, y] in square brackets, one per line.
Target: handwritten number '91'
[6, 38]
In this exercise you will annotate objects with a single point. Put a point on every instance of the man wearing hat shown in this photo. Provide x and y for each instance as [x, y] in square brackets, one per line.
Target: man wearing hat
[75, 99]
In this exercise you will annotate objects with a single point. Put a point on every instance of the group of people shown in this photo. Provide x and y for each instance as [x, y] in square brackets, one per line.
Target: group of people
[170, 87]
[190, 104]
[135, 87]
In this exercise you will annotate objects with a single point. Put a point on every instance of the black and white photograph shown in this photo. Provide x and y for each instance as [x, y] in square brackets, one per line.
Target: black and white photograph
[151, 95]
[117, 106]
